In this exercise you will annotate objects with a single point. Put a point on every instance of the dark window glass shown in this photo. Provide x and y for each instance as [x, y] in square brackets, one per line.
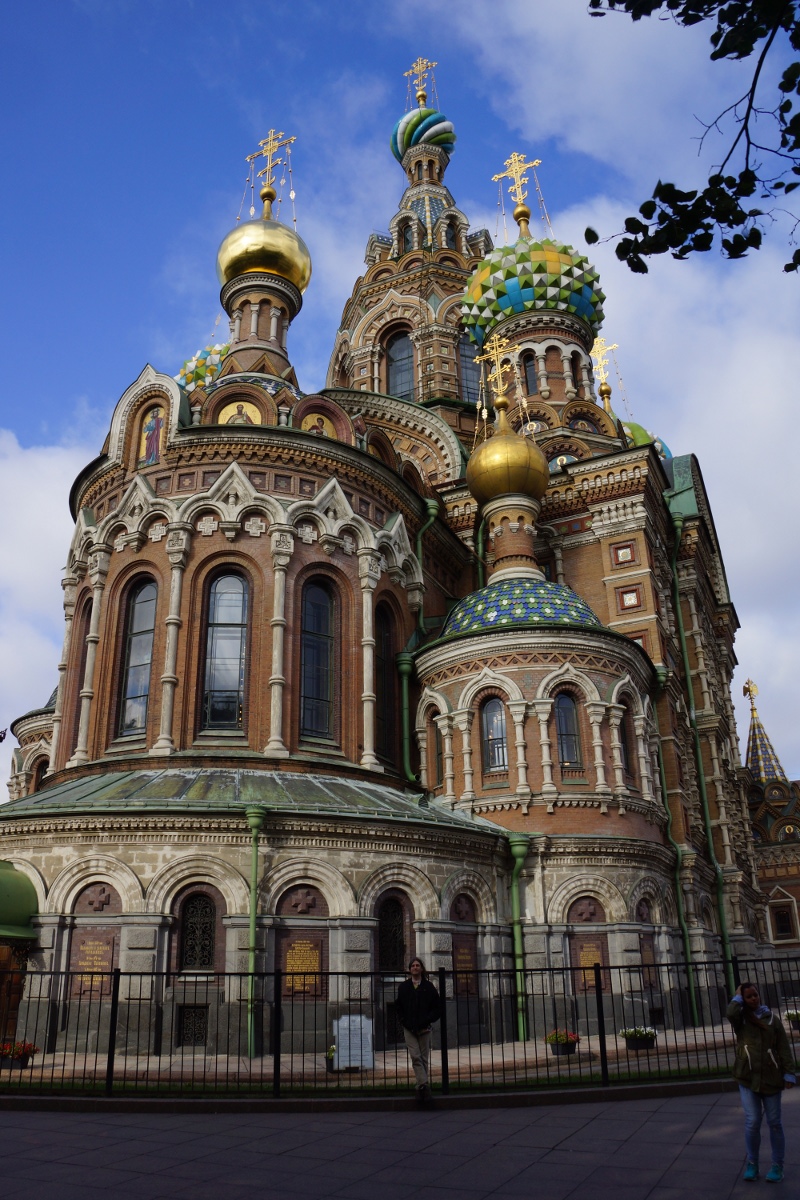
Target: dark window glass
[406, 239]
[470, 371]
[139, 630]
[438, 757]
[223, 691]
[531, 382]
[317, 663]
[83, 633]
[391, 936]
[493, 722]
[450, 236]
[385, 721]
[400, 366]
[782, 921]
[624, 745]
[198, 919]
[419, 171]
[569, 741]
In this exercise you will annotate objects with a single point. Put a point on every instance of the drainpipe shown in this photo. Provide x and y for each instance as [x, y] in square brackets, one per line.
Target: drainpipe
[255, 819]
[687, 945]
[480, 549]
[432, 507]
[405, 668]
[519, 844]
[677, 521]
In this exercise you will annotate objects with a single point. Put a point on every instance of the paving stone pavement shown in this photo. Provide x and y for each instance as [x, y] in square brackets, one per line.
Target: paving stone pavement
[646, 1149]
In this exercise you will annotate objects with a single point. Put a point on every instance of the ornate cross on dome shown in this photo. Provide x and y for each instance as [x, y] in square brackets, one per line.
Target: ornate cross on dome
[751, 691]
[421, 69]
[268, 148]
[515, 170]
[495, 347]
[600, 353]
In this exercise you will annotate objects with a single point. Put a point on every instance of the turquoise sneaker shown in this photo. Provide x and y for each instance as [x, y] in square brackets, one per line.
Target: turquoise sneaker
[750, 1172]
[774, 1174]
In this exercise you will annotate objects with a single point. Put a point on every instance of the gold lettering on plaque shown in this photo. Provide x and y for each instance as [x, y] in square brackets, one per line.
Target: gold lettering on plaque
[302, 965]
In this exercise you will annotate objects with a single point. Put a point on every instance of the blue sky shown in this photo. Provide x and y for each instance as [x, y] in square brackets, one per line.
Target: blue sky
[124, 168]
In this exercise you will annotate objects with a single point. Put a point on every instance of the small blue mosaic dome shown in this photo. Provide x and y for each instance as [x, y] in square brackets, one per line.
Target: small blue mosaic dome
[514, 602]
[422, 126]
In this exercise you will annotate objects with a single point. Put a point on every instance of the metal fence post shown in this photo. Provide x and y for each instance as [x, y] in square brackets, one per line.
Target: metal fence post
[443, 1031]
[601, 1025]
[276, 1033]
[737, 978]
[112, 1030]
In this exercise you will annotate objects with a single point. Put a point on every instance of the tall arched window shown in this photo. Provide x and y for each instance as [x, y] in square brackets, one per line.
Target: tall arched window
[419, 172]
[400, 366]
[493, 730]
[450, 236]
[469, 369]
[385, 686]
[395, 933]
[531, 380]
[223, 688]
[317, 663]
[435, 756]
[198, 927]
[406, 238]
[140, 625]
[568, 730]
[83, 626]
[624, 745]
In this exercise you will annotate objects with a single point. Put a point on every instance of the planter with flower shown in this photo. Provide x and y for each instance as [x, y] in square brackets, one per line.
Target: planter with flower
[17, 1054]
[793, 1017]
[562, 1041]
[329, 1056]
[639, 1037]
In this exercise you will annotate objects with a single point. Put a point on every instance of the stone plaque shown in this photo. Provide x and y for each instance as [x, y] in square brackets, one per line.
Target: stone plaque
[92, 960]
[303, 963]
[352, 1036]
[585, 950]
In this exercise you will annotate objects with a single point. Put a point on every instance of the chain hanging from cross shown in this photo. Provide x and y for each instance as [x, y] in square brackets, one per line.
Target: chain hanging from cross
[420, 71]
[268, 149]
[494, 349]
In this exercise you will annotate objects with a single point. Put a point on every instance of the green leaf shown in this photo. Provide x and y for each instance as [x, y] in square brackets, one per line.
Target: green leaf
[591, 235]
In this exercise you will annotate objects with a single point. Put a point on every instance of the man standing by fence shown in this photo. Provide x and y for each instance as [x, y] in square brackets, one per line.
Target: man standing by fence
[418, 1006]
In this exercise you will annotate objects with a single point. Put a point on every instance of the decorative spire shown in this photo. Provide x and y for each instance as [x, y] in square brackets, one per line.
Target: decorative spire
[268, 148]
[600, 353]
[515, 171]
[420, 70]
[761, 760]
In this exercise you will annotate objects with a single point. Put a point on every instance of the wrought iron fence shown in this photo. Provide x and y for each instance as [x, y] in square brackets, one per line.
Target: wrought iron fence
[283, 1033]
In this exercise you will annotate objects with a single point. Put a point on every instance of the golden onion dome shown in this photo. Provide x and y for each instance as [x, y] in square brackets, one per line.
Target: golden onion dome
[264, 245]
[507, 463]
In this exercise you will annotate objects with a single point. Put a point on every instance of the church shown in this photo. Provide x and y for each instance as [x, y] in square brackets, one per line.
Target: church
[436, 660]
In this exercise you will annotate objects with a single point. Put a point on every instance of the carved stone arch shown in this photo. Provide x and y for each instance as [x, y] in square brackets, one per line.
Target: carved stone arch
[422, 424]
[393, 306]
[31, 872]
[651, 890]
[428, 700]
[488, 679]
[625, 690]
[134, 509]
[567, 674]
[596, 886]
[84, 533]
[476, 888]
[198, 868]
[384, 450]
[411, 474]
[151, 385]
[553, 447]
[229, 496]
[586, 408]
[340, 420]
[409, 879]
[95, 868]
[332, 514]
[331, 882]
[393, 542]
[232, 391]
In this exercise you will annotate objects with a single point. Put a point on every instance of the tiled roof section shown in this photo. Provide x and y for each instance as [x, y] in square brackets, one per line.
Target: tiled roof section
[211, 790]
[762, 761]
[527, 602]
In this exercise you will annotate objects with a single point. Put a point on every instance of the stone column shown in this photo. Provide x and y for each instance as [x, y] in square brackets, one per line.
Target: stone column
[237, 325]
[595, 713]
[70, 585]
[178, 542]
[541, 371]
[542, 709]
[422, 744]
[369, 570]
[570, 384]
[645, 778]
[616, 713]
[518, 709]
[254, 307]
[445, 724]
[274, 314]
[282, 550]
[99, 561]
[463, 722]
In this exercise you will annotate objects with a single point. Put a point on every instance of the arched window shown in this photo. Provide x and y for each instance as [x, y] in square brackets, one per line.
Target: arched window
[197, 936]
[470, 371]
[577, 371]
[531, 380]
[625, 745]
[393, 934]
[400, 366]
[223, 687]
[39, 772]
[385, 687]
[493, 730]
[406, 238]
[450, 236]
[83, 632]
[419, 172]
[317, 663]
[139, 629]
[435, 756]
[567, 729]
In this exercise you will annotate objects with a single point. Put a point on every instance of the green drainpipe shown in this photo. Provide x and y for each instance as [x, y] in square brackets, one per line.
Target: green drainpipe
[480, 550]
[255, 819]
[687, 945]
[519, 844]
[405, 669]
[432, 507]
[677, 521]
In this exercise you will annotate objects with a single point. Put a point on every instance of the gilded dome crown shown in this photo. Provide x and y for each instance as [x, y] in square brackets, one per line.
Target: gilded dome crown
[264, 245]
[507, 464]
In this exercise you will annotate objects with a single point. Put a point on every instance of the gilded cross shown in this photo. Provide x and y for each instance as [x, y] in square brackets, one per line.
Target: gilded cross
[421, 69]
[515, 171]
[751, 691]
[268, 149]
[600, 353]
[495, 348]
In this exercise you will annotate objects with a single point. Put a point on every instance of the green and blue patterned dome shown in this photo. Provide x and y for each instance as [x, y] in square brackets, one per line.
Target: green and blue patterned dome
[637, 435]
[531, 275]
[519, 602]
[422, 127]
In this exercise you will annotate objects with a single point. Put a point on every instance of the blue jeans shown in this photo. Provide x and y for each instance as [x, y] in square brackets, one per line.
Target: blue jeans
[755, 1104]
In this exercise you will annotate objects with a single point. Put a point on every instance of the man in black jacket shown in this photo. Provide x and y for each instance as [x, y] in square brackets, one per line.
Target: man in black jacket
[418, 1006]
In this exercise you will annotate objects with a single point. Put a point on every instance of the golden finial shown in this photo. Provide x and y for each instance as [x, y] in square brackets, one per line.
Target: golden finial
[515, 171]
[268, 149]
[600, 353]
[420, 69]
[751, 691]
[495, 348]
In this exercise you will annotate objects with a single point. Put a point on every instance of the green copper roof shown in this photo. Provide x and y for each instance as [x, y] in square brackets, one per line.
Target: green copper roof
[18, 903]
[519, 602]
[211, 790]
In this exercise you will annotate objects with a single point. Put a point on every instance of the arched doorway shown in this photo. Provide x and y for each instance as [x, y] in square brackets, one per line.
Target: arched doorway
[196, 1015]
[395, 946]
[94, 941]
[587, 944]
[302, 955]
